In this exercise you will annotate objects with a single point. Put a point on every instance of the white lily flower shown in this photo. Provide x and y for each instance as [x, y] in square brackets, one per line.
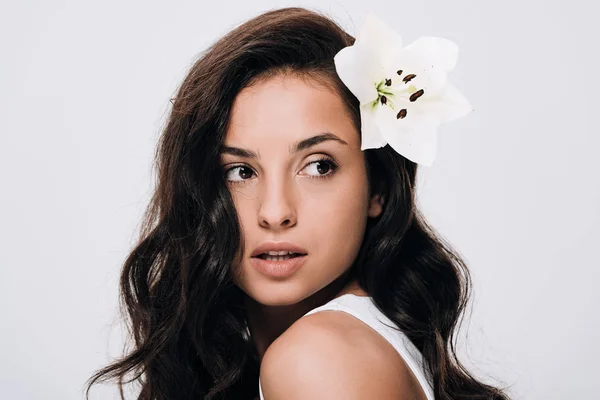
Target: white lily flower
[403, 92]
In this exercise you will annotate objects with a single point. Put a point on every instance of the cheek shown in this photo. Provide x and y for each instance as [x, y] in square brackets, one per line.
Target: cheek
[341, 209]
[337, 219]
[244, 208]
[244, 200]
[342, 202]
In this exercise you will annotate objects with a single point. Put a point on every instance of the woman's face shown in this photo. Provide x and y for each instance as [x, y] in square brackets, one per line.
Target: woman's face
[316, 198]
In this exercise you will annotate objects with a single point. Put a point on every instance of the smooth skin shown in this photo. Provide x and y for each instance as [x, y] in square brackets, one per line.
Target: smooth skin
[317, 198]
[332, 355]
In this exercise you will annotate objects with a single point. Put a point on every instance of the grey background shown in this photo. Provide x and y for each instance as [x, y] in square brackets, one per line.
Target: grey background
[84, 91]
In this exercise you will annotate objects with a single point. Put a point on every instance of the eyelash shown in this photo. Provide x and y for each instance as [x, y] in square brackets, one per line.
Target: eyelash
[332, 164]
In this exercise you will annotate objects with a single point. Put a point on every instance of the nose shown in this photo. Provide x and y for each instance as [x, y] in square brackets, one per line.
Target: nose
[277, 208]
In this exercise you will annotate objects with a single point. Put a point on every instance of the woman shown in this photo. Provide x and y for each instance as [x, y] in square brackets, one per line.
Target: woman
[267, 213]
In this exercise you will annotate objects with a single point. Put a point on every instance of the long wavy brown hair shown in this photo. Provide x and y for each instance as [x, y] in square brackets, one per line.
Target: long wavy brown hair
[185, 315]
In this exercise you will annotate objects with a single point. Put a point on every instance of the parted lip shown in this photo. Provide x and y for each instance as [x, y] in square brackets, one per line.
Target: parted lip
[277, 246]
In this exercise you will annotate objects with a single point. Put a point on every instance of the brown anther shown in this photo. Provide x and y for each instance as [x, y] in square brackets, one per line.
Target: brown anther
[401, 114]
[416, 95]
[408, 78]
[388, 82]
[399, 72]
[383, 99]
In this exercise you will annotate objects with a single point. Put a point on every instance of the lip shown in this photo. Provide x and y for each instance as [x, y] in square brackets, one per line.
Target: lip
[277, 246]
[278, 269]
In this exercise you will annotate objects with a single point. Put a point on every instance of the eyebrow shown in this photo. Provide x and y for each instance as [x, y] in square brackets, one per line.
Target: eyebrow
[296, 147]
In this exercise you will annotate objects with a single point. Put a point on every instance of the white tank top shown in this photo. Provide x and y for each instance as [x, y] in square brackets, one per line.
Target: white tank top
[365, 310]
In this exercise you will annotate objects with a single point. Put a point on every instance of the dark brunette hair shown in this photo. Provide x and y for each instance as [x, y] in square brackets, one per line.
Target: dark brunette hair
[186, 317]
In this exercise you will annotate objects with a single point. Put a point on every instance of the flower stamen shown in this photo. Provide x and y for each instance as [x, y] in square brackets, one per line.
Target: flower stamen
[408, 78]
[416, 95]
[383, 99]
[401, 114]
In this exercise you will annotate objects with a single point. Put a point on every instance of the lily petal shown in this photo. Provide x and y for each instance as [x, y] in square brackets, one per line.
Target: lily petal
[449, 105]
[370, 136]
[441, 52]
[415, 137]
[361, 65]
[429, 76]
[377, 35]
[359, 68]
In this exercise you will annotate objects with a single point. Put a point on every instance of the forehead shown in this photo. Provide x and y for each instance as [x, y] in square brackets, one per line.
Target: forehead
[288, 108]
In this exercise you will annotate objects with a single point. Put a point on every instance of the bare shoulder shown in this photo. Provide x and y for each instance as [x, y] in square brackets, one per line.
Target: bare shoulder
[333, 355]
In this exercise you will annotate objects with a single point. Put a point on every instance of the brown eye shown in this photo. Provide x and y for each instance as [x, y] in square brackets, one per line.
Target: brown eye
[244, 173]
[324, 168]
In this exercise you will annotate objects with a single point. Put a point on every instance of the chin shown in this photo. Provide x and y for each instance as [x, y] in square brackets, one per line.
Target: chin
[278, 293]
